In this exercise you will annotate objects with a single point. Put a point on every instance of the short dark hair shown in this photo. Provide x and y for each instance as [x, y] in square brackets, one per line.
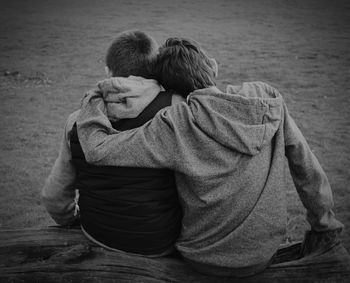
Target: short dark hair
[132, 53]
[182, 65]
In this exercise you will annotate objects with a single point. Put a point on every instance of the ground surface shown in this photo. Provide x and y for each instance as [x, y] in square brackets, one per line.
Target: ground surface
[51, 52]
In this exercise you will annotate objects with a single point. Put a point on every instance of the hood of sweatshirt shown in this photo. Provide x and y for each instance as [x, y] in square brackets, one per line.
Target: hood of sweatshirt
[126, 98]
[245, 118]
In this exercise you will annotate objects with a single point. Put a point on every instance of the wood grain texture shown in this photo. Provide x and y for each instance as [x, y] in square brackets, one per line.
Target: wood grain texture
[65, 255]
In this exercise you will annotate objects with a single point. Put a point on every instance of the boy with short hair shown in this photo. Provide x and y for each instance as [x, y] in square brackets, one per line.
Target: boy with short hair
[131, 53]
[178, 70]
[228, 152]
[133, 210]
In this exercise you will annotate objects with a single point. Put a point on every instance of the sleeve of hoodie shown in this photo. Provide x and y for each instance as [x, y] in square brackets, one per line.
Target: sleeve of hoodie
[58, 194]
[309, 178]
[151, 145]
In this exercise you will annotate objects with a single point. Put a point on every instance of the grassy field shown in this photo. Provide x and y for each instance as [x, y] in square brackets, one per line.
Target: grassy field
[51, 52]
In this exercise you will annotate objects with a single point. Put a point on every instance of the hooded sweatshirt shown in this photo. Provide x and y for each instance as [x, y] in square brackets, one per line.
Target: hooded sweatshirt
[130, 209]
[228, 152]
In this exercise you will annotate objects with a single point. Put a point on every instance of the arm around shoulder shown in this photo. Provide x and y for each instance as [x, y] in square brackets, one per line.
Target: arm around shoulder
[148, 146]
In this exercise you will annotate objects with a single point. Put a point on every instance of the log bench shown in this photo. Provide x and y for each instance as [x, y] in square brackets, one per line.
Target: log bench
[64, 255]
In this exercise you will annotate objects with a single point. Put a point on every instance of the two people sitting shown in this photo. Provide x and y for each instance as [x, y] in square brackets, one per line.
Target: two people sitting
[164, 160]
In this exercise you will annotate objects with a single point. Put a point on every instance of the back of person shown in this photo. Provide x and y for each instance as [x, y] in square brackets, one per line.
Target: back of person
[234, 195]
[228, 154]
[131, 209]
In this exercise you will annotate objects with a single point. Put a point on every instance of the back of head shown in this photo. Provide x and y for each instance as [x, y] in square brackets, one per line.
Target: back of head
[182, 65]
[132, 53]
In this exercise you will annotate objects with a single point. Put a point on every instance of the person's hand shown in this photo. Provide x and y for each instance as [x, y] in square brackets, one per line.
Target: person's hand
[113, 88]
[91, 94]
[126, 98]
[319, 242]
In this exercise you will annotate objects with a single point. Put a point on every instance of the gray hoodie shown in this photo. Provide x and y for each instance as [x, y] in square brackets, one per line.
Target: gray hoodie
[228, 153]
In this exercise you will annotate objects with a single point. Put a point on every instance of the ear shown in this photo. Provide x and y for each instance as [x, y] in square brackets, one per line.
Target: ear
[214, 66]
[108, 72]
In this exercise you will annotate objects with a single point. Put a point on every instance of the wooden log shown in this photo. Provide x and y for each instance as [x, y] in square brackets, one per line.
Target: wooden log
[65, 255]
